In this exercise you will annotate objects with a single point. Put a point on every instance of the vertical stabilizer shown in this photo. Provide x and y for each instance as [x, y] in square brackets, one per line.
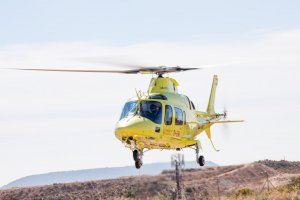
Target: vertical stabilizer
[211, 103]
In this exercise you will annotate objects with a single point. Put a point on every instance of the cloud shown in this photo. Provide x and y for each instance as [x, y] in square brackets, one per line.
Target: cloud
[271, 48]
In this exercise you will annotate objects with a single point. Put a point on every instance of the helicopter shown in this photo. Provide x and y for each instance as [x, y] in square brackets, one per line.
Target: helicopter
[162, 118]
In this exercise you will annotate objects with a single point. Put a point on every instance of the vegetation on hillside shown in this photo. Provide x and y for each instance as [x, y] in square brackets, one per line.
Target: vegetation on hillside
[228, 182]
[285, 192]
[282, 165]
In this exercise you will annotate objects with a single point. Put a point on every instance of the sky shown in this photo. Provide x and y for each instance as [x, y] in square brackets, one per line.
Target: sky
[65, 121]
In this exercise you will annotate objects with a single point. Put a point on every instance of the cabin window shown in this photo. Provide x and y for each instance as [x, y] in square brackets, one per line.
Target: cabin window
[151, 110]
[178, 116]
[168, 115]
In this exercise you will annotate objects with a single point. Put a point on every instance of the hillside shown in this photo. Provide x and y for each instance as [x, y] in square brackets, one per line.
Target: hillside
[95, 174]
[235, 181]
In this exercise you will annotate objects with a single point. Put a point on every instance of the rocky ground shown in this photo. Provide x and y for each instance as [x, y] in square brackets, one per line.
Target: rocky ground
[229, 182]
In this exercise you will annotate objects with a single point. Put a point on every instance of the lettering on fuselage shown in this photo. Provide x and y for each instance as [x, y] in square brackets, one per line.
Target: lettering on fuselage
[167, 132]
[176, 133]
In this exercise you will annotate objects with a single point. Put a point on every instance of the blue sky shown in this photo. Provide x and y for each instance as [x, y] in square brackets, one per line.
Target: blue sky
[127, 22]
[57, 121]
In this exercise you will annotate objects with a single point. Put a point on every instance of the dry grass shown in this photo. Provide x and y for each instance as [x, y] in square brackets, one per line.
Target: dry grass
[285, 192]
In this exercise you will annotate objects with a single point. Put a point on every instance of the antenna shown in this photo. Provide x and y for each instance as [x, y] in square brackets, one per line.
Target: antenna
[177, 161]
[218, 184]
[267, 183]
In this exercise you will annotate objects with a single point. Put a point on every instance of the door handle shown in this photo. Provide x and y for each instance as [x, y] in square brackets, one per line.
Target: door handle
[157, 129]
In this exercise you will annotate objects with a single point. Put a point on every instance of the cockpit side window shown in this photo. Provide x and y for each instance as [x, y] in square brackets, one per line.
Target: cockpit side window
[151, 110]
[168, 115]
[178, 116]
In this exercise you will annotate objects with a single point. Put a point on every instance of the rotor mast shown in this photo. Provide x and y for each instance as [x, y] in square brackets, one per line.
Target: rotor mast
[162, 84]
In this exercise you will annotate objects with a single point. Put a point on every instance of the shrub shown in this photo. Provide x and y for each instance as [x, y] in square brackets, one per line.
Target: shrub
[294, 185]
[160, 196]
[189, 190]
[243, 192]
[130, 193]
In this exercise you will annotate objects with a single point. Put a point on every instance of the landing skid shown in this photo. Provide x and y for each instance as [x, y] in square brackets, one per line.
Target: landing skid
[137, 155]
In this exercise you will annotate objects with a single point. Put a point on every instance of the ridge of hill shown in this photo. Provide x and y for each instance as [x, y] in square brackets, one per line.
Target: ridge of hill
[95, 174]
[201, 183]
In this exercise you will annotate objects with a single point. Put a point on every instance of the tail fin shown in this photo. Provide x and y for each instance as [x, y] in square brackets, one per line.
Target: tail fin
[211, 103]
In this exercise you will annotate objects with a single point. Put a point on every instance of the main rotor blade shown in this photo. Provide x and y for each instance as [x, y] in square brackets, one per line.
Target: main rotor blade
[142, 70]
[133, 71]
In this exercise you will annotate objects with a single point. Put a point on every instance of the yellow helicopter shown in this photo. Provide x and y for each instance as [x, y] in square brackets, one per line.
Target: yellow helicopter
[162, 118]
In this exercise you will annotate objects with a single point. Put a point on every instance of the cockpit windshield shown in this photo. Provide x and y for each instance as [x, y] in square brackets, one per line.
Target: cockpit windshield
[151, 110]
[128, 109]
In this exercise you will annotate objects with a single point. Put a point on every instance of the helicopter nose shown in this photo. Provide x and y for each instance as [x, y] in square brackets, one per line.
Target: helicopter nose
[134, 126]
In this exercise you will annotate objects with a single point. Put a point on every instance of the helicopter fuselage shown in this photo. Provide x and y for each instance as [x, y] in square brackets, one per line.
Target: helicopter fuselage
[162, 119]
